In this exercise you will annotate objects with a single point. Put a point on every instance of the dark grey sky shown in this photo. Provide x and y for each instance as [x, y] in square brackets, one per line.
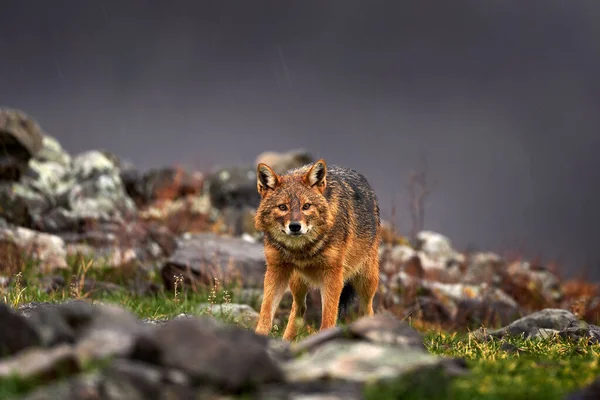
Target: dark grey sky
[503, 97]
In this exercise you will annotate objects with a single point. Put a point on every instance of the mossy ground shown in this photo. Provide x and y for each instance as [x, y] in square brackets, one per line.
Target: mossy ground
[514, 368]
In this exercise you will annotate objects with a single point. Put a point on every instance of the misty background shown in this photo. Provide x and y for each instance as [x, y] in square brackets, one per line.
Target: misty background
[502, 97]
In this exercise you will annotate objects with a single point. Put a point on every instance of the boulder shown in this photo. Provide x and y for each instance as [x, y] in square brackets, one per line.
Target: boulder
[203, 257]
[20, 138]
[233, 187]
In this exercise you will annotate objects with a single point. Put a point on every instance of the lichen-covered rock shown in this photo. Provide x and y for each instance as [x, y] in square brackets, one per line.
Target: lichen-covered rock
[46, 250]
[52, 151]
[20, 139]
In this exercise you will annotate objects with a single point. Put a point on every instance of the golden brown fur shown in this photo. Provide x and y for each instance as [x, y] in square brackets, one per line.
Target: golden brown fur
[322, 229]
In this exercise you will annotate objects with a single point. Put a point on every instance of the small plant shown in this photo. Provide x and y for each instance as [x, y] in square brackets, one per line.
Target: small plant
[14, 295]
[176, 286]
[77, 285]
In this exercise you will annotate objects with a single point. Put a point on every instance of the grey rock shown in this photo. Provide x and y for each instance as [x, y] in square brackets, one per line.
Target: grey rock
[357, 361]
[530, 325]
[484, 267]
[125, 379]
[371, 349]
[79, 387]
[96, 330]
[41, 364]
[202, 257]
[240, 314]
[318, 390]
[590, 332]
[16, 333]
[20, 138]
[387, 329]
[233, 187]
[20, 204]
[215, 354]
[434, 245]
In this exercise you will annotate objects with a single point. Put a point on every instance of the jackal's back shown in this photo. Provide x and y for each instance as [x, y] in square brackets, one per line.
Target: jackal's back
[352, 201]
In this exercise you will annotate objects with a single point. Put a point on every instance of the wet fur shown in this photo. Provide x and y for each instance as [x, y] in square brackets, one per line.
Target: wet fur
[339, 252]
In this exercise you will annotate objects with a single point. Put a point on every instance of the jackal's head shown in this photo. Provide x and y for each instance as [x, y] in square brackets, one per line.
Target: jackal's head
[292, 206]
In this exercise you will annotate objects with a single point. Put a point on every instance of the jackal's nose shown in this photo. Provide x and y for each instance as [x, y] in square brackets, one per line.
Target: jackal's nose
[295, 227]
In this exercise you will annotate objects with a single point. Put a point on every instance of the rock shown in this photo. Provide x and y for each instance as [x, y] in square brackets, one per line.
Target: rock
[590, 332]
[182, 215]
[52, 151]
[402, 254]
[96, 330]
[103, 195]
[171, 184]
[48, 178]
[209, 256]
[41, 364]
[383, 329]
[115, 244]
[45, 249]
[91, 191]
[79, 387]
[134, 185]
[387, 329]
[371, 349]
[20, 138]
[357, 361]
[319, 390]
[19, 204]
[161, 184]
[281, 162]
[530, 325]
[536, 279]
[233, 187]
[462, 304]
[210, 353]
[434, 245]
[484, 267]
[125, 379]
[16, 333]
[240, 314]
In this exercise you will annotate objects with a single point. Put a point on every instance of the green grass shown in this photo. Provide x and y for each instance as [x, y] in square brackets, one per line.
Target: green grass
[513, 368]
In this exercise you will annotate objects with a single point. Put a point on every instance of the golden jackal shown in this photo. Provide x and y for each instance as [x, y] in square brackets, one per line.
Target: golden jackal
[321, 228]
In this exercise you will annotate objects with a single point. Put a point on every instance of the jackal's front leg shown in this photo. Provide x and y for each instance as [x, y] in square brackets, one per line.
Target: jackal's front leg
[276, 281]
[299, 289]
[333, 283]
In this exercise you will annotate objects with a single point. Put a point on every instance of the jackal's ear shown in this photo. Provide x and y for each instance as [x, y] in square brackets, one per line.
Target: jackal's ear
[266, 178]
[316, 175]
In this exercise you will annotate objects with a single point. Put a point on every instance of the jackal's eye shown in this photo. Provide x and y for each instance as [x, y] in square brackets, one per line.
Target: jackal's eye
[306, 206]
[282, 207]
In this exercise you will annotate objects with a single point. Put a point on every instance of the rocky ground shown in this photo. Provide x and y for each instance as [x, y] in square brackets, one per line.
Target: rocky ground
[110, 277]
